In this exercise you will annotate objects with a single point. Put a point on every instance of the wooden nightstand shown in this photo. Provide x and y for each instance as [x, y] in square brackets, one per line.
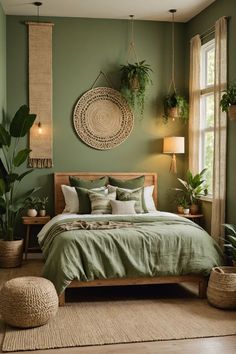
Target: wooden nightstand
[30, 221]
[195, 217]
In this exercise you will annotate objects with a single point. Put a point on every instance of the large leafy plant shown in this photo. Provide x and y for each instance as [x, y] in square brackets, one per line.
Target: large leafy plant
[178, 102]
[12, 158]
[194, 186]
[230, 240]
[229, 98]
[134, 81]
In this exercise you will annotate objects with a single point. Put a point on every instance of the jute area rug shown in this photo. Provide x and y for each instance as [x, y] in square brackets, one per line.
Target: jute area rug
[144, 314]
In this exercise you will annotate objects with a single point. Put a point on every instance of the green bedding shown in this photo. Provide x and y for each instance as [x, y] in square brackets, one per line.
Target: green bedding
[153, 246]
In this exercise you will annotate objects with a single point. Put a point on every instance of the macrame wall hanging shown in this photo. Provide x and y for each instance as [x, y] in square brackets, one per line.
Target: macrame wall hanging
[40, 92]
[102, 118]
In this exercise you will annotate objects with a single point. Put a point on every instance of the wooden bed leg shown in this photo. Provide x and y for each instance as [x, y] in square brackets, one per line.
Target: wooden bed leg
[62, 300]
[202, 288]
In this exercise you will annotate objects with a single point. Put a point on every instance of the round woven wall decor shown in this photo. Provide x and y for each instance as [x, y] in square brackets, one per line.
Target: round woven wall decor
[102, 118]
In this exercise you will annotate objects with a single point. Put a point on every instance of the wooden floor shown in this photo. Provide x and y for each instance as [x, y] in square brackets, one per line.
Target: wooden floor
[217, 345]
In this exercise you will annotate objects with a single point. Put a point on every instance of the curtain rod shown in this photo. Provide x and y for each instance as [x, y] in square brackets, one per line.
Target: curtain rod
[211, 29]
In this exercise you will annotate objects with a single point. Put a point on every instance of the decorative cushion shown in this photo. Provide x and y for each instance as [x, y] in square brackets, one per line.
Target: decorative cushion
[134, 195]
[71, 199]
[132, 183]
[84, 201]
[100, 204]
[28, 301]
[86, 183]
[123, 207]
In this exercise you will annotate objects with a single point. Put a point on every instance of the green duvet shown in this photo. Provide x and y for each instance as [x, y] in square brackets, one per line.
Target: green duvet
[152, 246]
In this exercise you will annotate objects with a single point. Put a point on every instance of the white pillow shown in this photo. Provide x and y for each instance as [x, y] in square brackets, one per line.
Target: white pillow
[72, 200]
[122, 207]
[147, 194]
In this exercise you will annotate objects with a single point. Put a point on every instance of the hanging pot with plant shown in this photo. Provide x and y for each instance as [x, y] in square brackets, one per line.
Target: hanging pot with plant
[228, 101]
[175, 106]
[135, 78]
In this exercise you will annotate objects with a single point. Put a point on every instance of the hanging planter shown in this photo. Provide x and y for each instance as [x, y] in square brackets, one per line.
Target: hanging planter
[134, 81]
[175, 106]
[135, 78]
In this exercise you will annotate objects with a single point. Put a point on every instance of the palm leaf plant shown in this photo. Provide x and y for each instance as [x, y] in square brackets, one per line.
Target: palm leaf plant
[230, 240]
[12, 158]
[134, 80]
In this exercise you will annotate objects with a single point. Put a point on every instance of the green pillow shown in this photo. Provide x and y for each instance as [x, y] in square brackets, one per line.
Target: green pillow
[136, 195]
[84, 201]
[100, 204]
[86, 183]
[132, 183]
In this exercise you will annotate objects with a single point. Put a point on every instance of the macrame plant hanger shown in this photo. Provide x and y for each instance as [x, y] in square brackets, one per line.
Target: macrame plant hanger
[172, 83]
[132, 44]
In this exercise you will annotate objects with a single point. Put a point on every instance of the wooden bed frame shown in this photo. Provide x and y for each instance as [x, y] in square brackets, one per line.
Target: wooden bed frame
[150, 179]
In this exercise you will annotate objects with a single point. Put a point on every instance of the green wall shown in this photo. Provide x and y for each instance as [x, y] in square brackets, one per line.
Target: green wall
[2, 63]
[81, 48]
[199, 24]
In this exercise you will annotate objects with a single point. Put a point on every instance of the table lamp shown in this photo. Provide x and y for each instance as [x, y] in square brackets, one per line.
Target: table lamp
[173, 145]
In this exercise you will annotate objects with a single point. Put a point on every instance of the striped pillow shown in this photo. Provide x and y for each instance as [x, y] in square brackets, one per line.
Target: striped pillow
[100, 204]
[136, 195]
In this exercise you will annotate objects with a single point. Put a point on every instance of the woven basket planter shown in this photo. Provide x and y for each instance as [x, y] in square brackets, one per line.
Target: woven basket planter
[221, 291]
[11, 253]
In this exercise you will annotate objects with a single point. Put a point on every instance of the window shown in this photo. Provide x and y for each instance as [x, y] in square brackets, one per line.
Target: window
[206, 136]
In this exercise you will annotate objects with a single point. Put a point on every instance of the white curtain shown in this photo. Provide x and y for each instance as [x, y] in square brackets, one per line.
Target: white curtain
[194, 103]
[219, 167]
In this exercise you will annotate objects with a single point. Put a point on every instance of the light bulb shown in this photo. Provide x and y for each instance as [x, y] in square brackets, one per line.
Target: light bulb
[39, 128]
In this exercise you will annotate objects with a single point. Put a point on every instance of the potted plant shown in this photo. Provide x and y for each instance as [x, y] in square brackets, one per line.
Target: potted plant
[194, 188]
[11, 203]
[181, 203]
[230, 241]
[31, 204]
[134, 81]
[42, 202]
[228, 101]
[186, 208]
[175, 106]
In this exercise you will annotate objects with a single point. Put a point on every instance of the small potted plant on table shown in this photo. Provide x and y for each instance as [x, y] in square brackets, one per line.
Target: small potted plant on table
[31, 204]
[42, 202]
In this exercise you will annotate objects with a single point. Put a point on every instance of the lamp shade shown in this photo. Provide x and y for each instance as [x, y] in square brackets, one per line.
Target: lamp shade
[173, 145]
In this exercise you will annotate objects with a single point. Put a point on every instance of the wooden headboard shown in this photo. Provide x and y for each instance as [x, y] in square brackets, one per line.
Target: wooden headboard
[63, 178]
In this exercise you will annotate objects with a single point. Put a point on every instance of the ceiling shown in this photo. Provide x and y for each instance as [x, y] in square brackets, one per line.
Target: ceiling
[153, 10]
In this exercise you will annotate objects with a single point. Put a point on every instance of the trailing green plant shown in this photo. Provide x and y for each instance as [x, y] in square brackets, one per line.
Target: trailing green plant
[175, 101]
[134, 80]
[12, 158]
[230, 240]
[194, 186]
[229, 97]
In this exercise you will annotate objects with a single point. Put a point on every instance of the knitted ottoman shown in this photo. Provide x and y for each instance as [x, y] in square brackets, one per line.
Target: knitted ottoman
[28, 301]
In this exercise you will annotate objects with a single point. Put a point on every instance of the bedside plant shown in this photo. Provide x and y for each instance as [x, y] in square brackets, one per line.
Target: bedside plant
[134, 80]
[175, 106]
[10, 202]
[228, 101]
[42, 202]
[31, 204]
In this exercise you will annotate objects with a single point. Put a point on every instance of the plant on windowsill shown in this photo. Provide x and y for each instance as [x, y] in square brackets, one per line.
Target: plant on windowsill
[194, 187]
[228, 101]
[11, 175]
[175, 106]
[230, 241]
[134, 80]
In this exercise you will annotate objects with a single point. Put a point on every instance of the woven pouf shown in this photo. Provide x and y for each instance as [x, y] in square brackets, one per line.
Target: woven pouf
[28, 301]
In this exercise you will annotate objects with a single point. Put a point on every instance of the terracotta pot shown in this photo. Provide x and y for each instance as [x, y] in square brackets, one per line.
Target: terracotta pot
[232, 112]
[180, 209]
[194, 209]
[32, 212]
[11, 253]
[42, 212]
